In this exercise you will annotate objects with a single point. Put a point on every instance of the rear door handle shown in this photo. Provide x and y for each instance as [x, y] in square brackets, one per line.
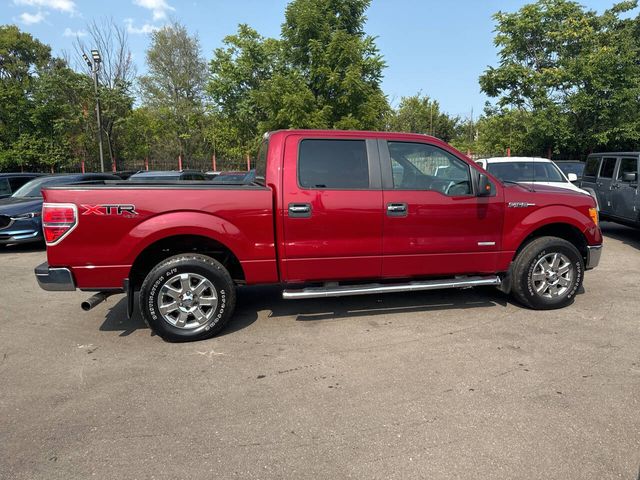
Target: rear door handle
[299, 210]
[397, 209]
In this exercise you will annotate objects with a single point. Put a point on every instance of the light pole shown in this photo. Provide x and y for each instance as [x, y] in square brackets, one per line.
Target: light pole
[95, 68]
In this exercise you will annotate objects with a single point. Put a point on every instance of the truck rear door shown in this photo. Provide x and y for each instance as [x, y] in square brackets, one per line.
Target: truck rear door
[332, 208]
[604, 184]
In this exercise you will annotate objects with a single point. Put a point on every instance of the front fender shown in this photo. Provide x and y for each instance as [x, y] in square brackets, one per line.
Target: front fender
[518, 229]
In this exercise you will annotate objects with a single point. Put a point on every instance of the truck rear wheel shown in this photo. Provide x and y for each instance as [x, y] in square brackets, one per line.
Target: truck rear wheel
[547, 273]
[187, 297]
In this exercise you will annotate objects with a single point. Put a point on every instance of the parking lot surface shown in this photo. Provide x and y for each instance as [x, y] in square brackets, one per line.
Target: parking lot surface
[450, 384]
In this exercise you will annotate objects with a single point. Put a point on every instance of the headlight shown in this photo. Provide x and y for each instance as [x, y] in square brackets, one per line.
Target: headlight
[25, 216]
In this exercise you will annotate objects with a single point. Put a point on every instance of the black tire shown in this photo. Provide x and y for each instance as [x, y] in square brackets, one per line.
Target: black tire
[529, 264]
[192, 268]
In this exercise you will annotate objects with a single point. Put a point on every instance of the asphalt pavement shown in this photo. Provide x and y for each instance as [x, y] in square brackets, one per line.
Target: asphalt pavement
[439, 385]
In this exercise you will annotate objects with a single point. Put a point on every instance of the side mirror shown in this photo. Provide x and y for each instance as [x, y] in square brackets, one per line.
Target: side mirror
[484, 186]
[629, 177]
[572, 177]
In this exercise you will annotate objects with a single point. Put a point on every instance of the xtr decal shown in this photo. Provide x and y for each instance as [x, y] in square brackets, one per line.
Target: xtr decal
[126, 210]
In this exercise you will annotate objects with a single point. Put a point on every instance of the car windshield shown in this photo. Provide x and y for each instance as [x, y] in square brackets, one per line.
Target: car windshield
[571, 167]
[526, 172]
[34, 187]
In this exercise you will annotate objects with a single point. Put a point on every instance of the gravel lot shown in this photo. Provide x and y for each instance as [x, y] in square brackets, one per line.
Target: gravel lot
[452, 384]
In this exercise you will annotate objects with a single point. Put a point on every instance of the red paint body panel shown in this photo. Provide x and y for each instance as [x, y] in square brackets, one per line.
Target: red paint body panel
[341, 240]
[240, 219]
[348, 236]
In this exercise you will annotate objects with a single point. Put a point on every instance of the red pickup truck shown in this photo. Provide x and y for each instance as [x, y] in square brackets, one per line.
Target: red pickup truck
[328, 213]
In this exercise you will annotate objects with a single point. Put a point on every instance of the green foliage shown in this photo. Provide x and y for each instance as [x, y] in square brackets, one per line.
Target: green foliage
[575, 73]
[324, 72]
[421, 114]
[173, 88]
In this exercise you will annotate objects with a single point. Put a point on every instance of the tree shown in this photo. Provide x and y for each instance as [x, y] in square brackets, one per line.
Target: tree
[21, 57]
[421, 114]
[173, 87]
[324, 72]
[574, 72]
[325, 41]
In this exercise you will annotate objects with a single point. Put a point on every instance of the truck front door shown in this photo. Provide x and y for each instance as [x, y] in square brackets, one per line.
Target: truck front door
[332, 209]
[434, 224]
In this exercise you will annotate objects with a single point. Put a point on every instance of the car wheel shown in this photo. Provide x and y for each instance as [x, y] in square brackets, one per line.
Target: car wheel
[187, 297]
[547, 273]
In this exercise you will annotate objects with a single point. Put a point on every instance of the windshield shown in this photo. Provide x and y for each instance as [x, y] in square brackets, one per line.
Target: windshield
[526, 172]
[34, 187]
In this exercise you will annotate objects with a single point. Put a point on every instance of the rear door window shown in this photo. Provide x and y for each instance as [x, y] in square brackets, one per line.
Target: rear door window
[608, 167]
[333, 164]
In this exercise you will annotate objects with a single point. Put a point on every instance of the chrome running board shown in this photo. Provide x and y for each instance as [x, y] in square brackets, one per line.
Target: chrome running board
[333, 290]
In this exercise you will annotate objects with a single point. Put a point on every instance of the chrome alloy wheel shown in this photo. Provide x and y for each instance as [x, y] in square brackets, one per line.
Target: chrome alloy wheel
[187, 300]
[552, 275]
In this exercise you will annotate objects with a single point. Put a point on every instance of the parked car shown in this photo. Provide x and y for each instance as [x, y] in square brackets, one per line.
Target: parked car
[235, 177]
[167, 176]
[569, 167]
[613, 179]
[10, 182]
[330, 213]
[532, 171]
[20, 214]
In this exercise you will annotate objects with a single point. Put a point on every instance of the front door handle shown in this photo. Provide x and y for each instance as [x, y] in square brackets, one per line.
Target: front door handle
[299, 210]
[397, 209]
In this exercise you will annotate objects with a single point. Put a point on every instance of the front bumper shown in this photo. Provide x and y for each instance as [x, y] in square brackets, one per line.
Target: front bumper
[22, 230]
[54, 279]
[593, 256]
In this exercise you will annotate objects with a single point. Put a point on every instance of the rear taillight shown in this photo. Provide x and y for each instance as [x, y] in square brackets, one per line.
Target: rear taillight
[58, 219]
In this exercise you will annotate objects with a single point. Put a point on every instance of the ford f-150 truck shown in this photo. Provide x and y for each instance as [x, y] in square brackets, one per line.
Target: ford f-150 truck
[328, 213]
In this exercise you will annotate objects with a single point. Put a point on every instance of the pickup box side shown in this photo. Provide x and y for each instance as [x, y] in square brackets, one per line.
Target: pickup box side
[239, 219]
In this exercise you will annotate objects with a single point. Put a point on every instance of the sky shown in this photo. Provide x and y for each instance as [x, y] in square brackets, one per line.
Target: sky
[437, 48]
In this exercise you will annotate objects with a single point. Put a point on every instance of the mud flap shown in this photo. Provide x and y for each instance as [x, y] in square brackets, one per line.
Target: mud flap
[128, 289]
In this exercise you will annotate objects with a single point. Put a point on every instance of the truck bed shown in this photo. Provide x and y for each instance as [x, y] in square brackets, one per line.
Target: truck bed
[117, 221]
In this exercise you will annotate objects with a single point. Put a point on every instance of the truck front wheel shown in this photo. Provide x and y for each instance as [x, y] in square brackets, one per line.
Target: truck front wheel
[547, 273]
[187, 297]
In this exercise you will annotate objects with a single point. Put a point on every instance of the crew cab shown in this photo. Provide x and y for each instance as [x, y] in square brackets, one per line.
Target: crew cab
[328, 213]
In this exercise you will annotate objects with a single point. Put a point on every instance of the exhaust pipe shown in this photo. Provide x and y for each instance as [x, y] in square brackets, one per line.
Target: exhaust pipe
[94, 300]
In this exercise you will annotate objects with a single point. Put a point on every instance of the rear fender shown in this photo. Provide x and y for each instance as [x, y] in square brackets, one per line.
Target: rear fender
[189, 223]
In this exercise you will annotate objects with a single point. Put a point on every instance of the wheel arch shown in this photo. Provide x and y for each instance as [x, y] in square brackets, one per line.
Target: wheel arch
[175, 244]
[565, 230]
